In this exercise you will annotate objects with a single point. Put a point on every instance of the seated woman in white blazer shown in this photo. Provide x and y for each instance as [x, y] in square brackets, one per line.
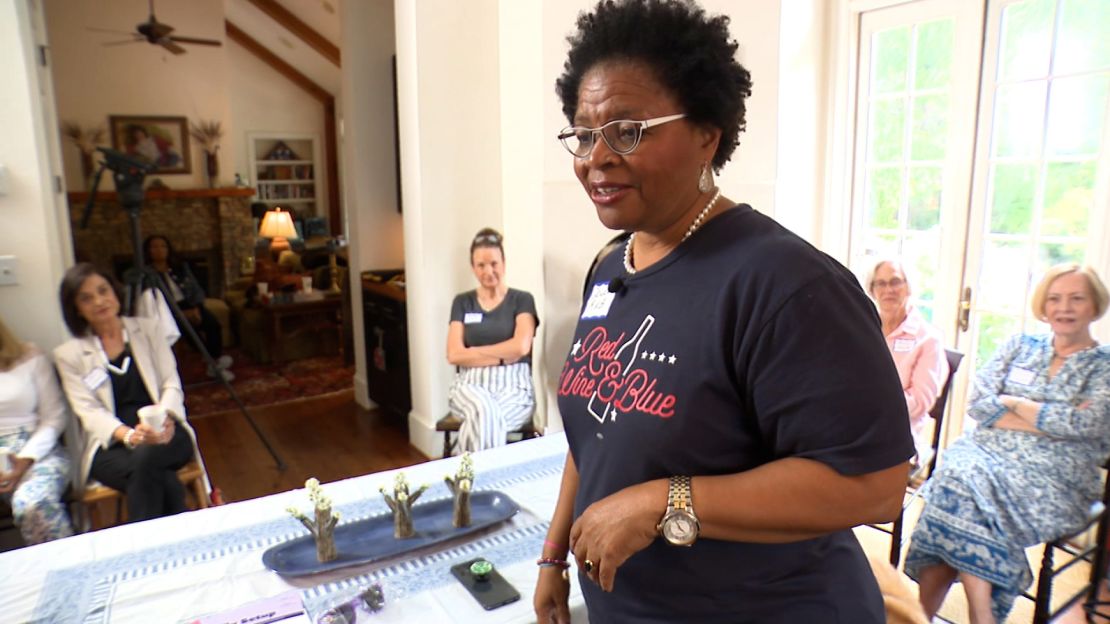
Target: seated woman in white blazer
[111, 368]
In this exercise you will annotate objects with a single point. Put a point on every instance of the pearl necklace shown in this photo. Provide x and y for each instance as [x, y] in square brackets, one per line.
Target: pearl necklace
[698, 220]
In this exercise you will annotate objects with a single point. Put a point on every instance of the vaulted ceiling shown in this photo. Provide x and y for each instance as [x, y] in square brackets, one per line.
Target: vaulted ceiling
[302, 33]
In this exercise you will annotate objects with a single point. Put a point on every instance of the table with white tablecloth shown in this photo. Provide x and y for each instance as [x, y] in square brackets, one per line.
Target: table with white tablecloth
[183, 567]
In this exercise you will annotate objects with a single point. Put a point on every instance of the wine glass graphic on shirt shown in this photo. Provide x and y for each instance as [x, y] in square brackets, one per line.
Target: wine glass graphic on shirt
[626, 355]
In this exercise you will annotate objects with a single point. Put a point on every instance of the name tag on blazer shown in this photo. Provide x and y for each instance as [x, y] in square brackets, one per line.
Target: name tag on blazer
[1021, 376]
[95, 378]
[470, 318]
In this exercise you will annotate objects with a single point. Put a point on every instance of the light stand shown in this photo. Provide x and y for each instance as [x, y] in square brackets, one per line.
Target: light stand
[128, 174]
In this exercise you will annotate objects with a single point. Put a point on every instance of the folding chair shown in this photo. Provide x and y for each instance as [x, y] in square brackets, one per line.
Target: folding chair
[1094, 554]
[450, 424]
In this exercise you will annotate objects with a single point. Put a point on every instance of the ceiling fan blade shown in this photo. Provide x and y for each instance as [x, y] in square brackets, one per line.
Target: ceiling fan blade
[171, 46]
[110, 30]
[194, 40]
[117, 43]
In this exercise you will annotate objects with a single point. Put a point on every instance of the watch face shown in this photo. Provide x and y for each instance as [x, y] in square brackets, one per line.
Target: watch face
[680, 528]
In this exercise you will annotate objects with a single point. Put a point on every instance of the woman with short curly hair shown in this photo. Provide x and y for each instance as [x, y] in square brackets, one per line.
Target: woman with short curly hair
[730, 405]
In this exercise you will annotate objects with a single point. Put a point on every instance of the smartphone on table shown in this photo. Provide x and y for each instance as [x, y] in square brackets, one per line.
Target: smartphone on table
[491, 590]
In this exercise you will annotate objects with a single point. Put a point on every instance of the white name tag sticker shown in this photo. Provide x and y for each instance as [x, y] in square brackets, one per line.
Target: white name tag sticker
[597, 306]
[470, 318]
[1021, 376]
[904, 345]
[95, 378]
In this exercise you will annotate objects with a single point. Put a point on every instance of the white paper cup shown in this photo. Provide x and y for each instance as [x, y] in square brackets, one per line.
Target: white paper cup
[153, 416]
[306, 284]
[6, 459]
[263, 288]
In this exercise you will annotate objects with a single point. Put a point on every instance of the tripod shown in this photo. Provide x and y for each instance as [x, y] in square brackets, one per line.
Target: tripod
[128, 174]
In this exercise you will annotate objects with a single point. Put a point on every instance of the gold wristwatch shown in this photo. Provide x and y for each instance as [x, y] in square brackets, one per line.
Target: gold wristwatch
[679, 525]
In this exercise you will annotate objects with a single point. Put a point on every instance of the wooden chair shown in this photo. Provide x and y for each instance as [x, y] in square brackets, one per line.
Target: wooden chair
[937, 413]
[450, 424]
[191, 476]
[1094, 554]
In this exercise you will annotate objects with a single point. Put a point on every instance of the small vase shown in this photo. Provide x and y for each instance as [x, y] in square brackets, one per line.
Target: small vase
[212, 167]
[87, 169]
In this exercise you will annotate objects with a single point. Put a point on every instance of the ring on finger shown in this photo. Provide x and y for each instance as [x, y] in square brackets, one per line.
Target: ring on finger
[588, 566]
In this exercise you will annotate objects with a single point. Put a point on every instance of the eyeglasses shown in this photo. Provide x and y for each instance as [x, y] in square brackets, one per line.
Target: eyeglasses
[894, 283]
[621, 135]
[369, 600]
[487, 238]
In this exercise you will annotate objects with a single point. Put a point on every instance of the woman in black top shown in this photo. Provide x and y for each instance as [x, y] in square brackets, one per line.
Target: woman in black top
[187, 292]
[490, 342]
[112, 367]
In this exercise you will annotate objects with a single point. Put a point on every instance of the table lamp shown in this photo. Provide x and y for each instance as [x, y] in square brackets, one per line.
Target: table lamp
[277, 225]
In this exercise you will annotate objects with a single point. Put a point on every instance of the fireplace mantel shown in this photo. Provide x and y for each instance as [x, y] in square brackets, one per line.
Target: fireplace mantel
[195, 220]
[233, 191]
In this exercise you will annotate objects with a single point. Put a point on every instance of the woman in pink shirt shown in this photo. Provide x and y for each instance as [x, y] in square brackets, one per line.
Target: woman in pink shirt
[916, 346]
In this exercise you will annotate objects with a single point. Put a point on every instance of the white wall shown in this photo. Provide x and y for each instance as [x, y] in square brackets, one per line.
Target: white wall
[94, 81]
[522, 95]
[368, 176]
[451, 176]
[31, 216]
[803, 138]
[262, 100]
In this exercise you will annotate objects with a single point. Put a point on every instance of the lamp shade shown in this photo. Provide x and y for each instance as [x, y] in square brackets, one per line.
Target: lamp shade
[277, 224]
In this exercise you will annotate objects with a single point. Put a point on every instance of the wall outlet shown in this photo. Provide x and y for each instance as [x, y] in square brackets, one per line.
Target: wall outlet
[8, 266]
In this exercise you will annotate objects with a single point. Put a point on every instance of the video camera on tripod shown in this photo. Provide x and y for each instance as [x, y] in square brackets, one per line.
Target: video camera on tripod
[128, 173]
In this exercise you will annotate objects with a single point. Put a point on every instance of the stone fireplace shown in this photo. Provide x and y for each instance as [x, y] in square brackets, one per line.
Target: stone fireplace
[209, 227]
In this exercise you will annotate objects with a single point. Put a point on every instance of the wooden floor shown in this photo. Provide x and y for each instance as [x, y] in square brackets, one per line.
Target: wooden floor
[329, 438]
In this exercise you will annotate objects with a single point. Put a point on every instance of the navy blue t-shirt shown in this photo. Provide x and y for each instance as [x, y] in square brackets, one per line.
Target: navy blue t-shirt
[742, 346]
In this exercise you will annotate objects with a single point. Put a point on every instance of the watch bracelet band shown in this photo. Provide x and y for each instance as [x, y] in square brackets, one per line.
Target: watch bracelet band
[680, 495]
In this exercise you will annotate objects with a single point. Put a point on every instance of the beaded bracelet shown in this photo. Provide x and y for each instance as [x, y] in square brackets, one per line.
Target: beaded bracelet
[551, 562]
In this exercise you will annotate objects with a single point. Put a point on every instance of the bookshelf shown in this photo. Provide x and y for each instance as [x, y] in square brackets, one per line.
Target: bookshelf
[285, 170]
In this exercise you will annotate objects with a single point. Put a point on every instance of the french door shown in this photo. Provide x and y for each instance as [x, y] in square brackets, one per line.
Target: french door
[981, 157]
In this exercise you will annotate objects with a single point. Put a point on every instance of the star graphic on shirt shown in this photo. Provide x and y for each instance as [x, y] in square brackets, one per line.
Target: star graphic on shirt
[576, 347]
[652, 356]
[672, 359]
[644, 355]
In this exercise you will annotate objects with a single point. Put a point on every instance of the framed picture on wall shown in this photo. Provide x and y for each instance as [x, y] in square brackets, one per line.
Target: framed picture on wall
[163, 141]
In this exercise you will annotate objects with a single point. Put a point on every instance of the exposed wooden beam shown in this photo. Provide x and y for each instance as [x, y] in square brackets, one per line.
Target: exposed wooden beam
[273, 60]
[303, 31]
[331, 157]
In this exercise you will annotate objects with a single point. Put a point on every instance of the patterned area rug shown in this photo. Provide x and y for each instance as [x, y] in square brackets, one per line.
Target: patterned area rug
[259, 384]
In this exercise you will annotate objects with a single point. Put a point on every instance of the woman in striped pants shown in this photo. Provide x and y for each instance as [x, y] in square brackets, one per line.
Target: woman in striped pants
[490, 343]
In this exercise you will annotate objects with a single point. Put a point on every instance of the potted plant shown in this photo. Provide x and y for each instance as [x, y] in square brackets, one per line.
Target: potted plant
[208, 134]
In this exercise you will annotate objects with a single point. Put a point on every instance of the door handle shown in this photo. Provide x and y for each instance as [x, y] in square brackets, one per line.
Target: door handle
[965, 309]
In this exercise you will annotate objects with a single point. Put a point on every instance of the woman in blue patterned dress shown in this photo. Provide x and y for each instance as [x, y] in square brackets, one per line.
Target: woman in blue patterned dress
[32, 416]
[1030, 471]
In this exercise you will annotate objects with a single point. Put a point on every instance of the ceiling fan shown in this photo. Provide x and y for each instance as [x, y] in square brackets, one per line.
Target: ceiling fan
[158, 33]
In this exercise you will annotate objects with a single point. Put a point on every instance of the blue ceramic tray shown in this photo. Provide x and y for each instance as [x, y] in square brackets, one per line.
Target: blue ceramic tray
[371, 539]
